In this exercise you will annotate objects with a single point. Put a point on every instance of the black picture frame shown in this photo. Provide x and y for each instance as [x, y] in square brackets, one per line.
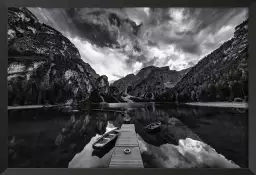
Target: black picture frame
[126, 3]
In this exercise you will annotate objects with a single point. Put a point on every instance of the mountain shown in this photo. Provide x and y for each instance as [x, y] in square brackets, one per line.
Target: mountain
[220, 76]
[149, 81]
[44, 67]
[123, 83]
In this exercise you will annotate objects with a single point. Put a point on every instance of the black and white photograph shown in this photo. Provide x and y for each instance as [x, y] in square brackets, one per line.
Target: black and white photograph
[136, 87]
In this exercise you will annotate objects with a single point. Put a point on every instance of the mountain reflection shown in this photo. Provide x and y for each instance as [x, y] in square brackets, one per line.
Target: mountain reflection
[75, 132]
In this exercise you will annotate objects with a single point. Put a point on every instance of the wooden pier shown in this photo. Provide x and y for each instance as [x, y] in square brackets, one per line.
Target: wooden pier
[127, 139]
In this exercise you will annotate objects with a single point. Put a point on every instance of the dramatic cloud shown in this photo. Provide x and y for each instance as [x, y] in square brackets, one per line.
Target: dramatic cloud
[117, 42]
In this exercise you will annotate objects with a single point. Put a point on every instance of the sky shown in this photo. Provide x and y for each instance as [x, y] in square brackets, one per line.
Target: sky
[121, 41]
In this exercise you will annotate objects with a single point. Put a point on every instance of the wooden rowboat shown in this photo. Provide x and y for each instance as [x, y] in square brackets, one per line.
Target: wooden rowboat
[106, 139]
[127, 119]
[153, 127]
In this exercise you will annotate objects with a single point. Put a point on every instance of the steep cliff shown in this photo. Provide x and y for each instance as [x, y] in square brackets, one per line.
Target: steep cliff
[44, 67]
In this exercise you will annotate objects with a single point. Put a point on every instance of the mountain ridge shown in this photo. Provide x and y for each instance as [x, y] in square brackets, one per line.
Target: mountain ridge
[138, 84]
[36, 49]
[222, 75]
[45, 67]
[204, 81]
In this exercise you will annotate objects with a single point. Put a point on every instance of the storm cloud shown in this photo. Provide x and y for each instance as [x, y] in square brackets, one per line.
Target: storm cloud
[117, 42]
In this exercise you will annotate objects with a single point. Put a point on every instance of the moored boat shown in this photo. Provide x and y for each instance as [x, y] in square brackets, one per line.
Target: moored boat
[106, 139]
[153, 127]
[127, 119]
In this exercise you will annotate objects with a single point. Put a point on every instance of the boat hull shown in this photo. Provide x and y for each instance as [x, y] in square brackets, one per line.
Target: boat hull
[127, 121]
[153, 130]
[154, 127]
[107, 143]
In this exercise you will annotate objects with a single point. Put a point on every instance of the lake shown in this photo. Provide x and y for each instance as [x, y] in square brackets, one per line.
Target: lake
[63, 137]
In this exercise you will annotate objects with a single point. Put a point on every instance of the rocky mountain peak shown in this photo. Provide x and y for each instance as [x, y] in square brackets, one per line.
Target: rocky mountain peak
[220, 76]
[147, 68]
[165, 68]
[43, 65]
[241, 28]
[149, 81]
[27, 36]
[129, 75]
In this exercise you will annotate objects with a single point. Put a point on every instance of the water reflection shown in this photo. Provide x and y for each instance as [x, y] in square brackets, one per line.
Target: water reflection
[89, 158]
[164, 156]
[224, 129]
[179, 123]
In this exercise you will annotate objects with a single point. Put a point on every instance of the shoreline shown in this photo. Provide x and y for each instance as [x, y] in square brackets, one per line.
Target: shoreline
[220, 104]
[207, 104]
[31, 106]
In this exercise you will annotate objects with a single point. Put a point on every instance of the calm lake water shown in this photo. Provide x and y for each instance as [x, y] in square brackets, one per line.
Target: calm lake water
[36, 132]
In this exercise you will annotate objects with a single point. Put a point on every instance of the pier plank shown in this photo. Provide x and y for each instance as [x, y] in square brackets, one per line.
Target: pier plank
[126, 139]
[121, 160]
